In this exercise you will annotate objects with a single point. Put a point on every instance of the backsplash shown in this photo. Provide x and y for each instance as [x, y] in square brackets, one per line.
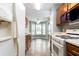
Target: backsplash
[70, 26]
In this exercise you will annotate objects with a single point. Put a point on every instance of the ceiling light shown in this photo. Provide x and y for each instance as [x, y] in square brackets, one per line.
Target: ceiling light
[37, 6]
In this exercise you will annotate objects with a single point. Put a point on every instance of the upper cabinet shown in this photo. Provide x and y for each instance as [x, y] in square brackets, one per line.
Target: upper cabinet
[62, 11]
[63, 8]
[71, 5]
[6, 12]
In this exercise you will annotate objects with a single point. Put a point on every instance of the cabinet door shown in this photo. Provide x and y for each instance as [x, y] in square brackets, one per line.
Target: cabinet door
[71, 5]
[72, 49]
[60, 11]
[63, 8]
[58, 21]
[6, 11]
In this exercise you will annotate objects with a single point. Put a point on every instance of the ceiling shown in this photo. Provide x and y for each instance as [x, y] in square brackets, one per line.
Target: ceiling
[44, 11]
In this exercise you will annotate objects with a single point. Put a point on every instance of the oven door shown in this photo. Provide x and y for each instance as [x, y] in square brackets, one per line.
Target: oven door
[58, 49]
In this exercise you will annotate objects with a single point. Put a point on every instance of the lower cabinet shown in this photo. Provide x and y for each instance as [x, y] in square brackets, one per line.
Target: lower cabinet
[72, 50]
[28, 41]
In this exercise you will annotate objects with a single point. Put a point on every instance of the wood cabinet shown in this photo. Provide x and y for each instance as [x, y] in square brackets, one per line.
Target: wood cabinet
[28, 41]
[71, 5]
[60, 11]
[72, 50]
[63, 8]
[58, 21]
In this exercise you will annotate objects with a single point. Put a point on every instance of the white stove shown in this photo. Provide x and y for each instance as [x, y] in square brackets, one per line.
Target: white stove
[59, 42]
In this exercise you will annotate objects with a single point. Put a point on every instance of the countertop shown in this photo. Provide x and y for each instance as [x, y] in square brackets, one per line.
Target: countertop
[27, 33]
[58, 33]
[73, 41]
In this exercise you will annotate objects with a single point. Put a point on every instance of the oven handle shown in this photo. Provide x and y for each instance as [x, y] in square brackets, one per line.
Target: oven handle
[60, 46]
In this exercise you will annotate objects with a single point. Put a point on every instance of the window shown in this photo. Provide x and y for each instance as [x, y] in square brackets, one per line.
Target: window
[43, 28]
[38, 28]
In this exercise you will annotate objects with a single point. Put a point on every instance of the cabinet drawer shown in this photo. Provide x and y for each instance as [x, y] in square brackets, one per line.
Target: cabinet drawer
[73, 49]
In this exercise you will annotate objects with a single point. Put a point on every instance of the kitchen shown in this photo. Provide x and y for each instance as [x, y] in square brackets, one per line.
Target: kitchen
[52, 30]
[65, 43]
[63, 26]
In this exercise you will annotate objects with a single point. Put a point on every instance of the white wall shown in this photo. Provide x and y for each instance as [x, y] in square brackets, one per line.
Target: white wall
[53, 27]
[20, 17]
[27, 30]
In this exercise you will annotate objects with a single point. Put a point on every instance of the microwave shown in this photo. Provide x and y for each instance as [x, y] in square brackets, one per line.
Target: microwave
[73, 15]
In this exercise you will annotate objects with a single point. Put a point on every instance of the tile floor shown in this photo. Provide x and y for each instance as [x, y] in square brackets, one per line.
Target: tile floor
[39, 47]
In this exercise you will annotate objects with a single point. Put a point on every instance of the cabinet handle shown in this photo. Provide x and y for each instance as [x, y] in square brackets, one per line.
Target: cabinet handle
[75, 52]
